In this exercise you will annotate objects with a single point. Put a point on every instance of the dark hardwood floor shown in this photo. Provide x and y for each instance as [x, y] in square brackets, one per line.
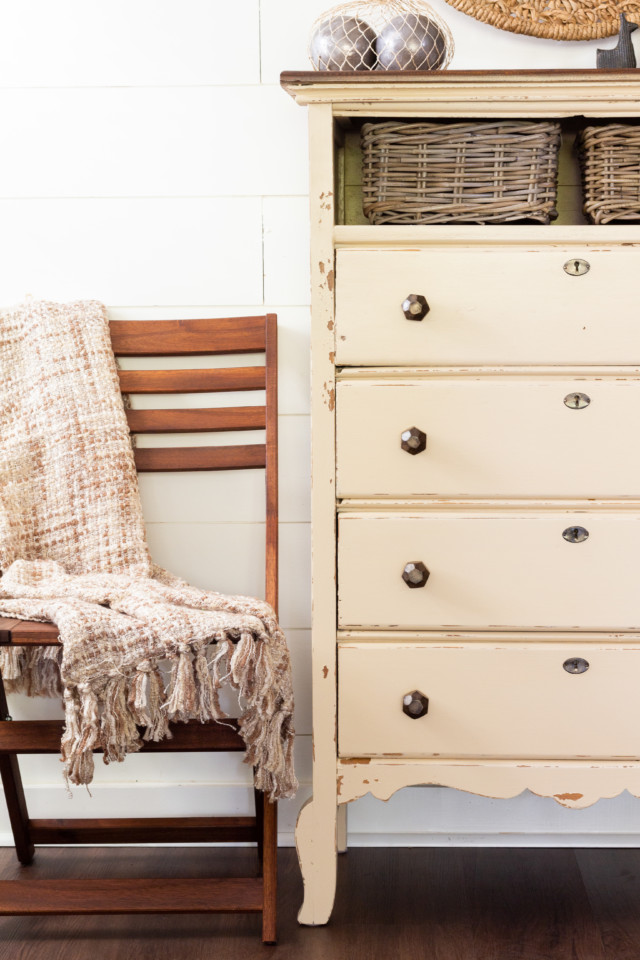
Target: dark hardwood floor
[396, 904]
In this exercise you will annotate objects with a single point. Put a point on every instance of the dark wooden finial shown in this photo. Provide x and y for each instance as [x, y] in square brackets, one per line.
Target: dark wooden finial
[623, 54]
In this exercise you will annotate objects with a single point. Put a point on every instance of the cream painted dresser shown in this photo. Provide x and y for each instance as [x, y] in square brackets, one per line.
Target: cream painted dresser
[476, 476]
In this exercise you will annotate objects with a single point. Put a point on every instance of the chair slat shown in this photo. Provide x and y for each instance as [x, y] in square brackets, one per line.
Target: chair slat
[43, 736]
[97, 896]
[157, 338]
[192, 381]
[196, 420]
[151, 459]
[146, 830]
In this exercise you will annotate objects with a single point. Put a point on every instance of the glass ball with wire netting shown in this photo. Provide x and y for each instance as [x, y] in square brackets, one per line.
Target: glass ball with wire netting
[380, 35]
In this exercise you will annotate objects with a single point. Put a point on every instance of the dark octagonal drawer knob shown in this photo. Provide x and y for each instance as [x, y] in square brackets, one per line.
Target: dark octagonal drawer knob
[413, 440]
[415, 574]
[415, 307]
[415, 704]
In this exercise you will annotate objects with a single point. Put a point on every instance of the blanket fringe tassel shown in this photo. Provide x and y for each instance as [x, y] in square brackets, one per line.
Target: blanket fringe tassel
[109, 716]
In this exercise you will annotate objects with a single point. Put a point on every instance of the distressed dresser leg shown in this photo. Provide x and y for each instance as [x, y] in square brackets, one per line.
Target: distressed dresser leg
[317, 851]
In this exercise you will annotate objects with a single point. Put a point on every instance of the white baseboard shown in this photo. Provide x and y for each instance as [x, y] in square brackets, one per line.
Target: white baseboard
[491, 840]
[523, 840]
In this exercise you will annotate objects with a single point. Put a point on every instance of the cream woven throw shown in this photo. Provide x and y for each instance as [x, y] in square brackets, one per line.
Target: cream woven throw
[73, 551]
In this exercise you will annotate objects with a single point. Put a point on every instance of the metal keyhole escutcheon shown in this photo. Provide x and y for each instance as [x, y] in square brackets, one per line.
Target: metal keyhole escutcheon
[575, 534]
[577, 267]
[577, 401]
[576, 665]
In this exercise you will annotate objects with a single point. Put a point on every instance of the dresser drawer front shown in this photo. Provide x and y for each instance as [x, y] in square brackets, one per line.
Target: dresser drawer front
[489, 436]
[488, 700]
[490, 570]
[493, 304]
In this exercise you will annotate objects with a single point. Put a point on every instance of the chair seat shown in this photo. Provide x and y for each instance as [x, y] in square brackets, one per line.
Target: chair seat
[26, 632]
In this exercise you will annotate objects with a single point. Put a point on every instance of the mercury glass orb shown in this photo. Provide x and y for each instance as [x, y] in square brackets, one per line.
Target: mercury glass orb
[343, 43]
[411, 42]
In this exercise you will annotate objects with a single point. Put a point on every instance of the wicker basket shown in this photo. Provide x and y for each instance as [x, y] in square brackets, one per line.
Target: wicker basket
[610, 162]
[481, 172]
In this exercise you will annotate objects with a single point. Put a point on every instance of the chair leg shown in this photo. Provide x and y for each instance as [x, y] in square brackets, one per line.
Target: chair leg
[14, 794]
[258, 797]
[17, 807]
[269, 870]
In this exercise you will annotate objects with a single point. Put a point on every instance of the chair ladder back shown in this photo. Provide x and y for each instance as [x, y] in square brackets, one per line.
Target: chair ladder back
[177, 338]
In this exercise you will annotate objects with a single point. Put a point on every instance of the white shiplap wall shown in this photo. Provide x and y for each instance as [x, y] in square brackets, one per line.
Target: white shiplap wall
[151, 160]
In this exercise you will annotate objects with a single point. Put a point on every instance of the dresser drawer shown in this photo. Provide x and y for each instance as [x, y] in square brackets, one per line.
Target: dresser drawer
[488, 304]
[489, 569]
[488, 436]
[489, 700]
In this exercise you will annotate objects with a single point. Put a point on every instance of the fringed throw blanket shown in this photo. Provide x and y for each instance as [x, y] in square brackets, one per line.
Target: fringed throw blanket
[73, 551]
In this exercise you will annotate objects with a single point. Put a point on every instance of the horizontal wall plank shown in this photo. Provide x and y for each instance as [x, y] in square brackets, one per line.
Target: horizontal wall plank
[132, 251]
[229, 557]
[232, 496]
[75, 43]
[150, 142]
[531, 53]
[286, 250]
[217, 772]
[287, 46]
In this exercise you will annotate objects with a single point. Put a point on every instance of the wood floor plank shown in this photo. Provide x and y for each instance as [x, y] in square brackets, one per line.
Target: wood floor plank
[423, 903]
[531, 903]
[612, 881]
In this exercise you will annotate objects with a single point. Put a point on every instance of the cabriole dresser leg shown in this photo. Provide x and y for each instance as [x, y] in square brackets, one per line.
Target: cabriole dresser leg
[316, 840]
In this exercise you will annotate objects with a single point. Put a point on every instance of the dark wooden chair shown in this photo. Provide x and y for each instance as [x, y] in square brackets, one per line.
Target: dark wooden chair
[255, 894]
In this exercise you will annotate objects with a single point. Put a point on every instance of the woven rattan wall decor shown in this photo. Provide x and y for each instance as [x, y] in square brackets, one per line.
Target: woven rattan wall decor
[553, 19]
